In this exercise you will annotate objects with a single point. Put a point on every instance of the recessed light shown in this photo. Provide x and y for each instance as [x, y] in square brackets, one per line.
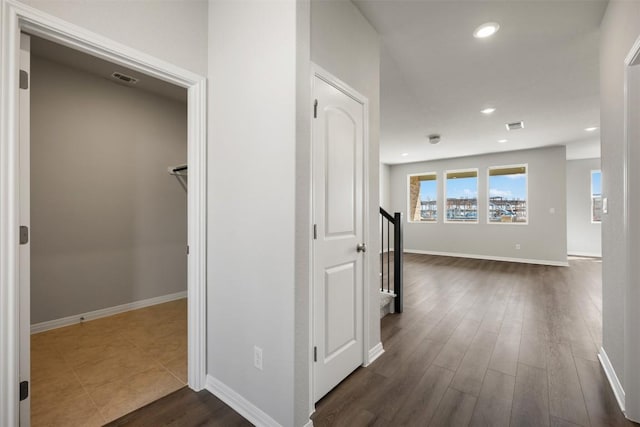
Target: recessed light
[405, 154]
[488, 110]
[486, 30]
[591, 129]
[502, 141]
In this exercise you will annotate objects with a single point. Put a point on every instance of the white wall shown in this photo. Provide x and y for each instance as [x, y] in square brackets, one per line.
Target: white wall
[385, 187]
[620, 28]
[543, 239]
[346, 45]
[109, 224]
[172, 30]
[583, 236]
[252, 206]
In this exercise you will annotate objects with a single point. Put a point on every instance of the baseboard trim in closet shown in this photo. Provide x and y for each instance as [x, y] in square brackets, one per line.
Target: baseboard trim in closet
[104, 312]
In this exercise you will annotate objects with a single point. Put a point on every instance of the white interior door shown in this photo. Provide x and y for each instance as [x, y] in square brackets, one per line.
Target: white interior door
[338, 209]
[25, 222]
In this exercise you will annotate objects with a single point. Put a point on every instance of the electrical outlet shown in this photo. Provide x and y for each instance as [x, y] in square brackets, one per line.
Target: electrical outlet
[257, 357]
[518, 246]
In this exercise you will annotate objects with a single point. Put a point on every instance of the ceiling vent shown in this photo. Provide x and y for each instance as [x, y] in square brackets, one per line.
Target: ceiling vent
[124, 78]
[515, 125]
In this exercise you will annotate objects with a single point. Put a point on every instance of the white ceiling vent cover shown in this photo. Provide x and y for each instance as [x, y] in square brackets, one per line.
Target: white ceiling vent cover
[124, 78]
[515, 125]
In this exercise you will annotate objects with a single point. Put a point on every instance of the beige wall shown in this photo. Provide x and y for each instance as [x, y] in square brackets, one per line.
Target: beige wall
[108, 221]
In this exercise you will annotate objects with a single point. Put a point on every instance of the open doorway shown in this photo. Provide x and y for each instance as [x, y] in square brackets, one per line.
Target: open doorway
[108, 243]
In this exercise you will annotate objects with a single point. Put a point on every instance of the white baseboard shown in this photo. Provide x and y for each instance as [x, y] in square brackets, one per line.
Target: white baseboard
[309, 424]
[374, 353]
[242, 406]
[104, 312]
[491, 257]
[585, 254]
[618, 391]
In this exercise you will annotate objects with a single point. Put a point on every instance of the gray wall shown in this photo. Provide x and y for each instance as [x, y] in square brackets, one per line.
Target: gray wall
[620, 28]
[544, 239]
[346, 45]
[583, 236]
[108, 221]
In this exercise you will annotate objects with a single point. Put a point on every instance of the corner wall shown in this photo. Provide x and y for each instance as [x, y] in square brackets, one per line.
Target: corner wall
[619, 30]
[251, 289]
[345, 44]
[542, 240]
[583, 236]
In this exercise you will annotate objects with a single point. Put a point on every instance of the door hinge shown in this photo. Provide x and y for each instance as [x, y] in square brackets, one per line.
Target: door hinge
[315, 109]
[315, 231]
[24, 390]
[187, 249]
[24, 234]
[315, 354]
[24, 79]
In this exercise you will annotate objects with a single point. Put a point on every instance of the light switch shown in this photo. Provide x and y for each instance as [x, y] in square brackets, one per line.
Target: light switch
[552, 210]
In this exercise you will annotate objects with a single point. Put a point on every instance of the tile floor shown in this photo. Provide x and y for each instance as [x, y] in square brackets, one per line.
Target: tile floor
[97, 371]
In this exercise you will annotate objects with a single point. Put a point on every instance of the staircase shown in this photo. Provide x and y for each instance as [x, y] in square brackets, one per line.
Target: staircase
[391, 263]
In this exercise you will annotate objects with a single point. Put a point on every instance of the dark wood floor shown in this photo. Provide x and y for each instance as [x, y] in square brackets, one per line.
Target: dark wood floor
[184, 408]
[485, 343]
[480, 343]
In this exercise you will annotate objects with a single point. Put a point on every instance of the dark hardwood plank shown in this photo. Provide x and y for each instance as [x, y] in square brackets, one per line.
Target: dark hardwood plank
[455, 410]
[565, 393]
[530, 398]
[184, 408]
[494, 404]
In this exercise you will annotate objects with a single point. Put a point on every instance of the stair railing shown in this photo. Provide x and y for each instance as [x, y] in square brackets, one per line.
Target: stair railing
[396, 221]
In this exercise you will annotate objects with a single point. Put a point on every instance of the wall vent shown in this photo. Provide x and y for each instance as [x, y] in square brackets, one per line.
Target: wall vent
[515, 125]
[124, 78]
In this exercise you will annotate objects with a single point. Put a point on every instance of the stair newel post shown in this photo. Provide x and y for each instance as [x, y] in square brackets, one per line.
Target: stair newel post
[397, 261]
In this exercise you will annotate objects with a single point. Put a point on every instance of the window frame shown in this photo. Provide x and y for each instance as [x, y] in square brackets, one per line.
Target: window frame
[591, 195]
[445, 219]
[409, 220]
[526, 193]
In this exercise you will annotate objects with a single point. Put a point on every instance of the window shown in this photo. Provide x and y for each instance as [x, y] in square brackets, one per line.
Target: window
[423, 196]
[508, 194]
[596, 196]
[462, 196]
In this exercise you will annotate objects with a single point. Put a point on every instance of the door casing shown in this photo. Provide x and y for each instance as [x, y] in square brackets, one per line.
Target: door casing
[15, 18]
[319, 72]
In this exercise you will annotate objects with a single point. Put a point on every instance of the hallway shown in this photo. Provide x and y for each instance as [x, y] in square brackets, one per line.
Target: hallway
[485, 343]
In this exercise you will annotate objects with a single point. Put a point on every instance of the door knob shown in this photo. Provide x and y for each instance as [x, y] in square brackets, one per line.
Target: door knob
[362, 247]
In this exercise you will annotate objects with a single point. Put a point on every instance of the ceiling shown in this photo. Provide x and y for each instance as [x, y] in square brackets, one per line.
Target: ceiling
[541, 67]
[99, 67]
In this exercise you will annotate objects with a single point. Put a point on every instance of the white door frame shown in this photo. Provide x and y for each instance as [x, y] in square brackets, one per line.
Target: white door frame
[17, 17]
[319, 72]
[629, 398]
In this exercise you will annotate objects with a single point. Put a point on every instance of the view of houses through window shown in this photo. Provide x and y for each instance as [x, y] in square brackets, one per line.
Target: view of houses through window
[596, 196]
[462, 196]
[423, 197]
[508, 194]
